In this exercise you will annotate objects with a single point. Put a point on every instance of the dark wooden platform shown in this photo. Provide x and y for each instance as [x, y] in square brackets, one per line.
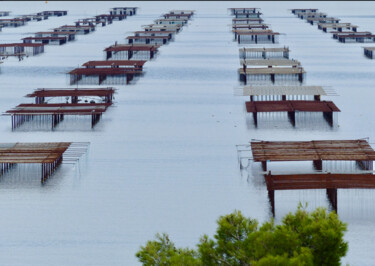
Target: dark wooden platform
[326, 107]
[328, 181]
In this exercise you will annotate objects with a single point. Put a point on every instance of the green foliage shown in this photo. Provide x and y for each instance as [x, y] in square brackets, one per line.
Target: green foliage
[163, 252]
[303, 238]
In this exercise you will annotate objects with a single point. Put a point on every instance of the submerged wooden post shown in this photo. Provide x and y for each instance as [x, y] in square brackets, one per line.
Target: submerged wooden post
[271, 197]
[292, 117]
[255, 117]
[300, 77]
[264, 165]
[318, 165]
[273, 78]
[332, 197]
[329, 117]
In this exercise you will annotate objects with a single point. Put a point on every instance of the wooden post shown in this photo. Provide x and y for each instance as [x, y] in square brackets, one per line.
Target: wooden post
[332, 197]
[300, 77]
[318, 165]
[255, 116]
[292, 118]
[329, 117]
[264, 165]
[271, 197]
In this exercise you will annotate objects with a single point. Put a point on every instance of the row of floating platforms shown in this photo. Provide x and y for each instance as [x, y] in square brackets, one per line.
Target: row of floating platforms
[124, 62]
[248, 27]
[49, 108]
[274, 83]
[49, 156]
[270, 95]
[78, 102]
[23, 19]
[344, 32]
[65, 33]
[32, 46]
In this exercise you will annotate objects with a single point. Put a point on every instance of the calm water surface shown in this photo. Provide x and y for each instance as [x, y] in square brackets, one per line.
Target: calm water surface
[164, 158]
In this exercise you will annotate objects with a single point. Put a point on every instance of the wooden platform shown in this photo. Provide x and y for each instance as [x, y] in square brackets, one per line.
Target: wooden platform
[42, 93]
[319, 181]
[27, 112]
[326, 107]
[50, 155]
[328, 181]
[358, 150]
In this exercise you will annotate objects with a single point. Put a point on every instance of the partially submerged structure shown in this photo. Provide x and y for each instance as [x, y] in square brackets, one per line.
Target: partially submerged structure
[276, 62]
[311, 15]
[165, 21]
[109, 18]
[76, 29]
[56, 13]
[249, 27]
[169, 34]
[154, 27]
[129, 11]
[320, 152]
[54, 113]
[244, 21]
[272, 75]
[182, 11]
[337, 34]
[327, 108]
[327, 27]
[75, 95]
[131, 52]
[256, 37]
[245, 12]
[361, 38]
[177, 16]
[304, 10]
[144, 39]
[4, 13]
[45, 40]
[326, 20]
[27, 49]
[43, 112]
[103, 75]
[70, 36]
[265, 53]
[14, 22]
[48, 154]
[283, 93]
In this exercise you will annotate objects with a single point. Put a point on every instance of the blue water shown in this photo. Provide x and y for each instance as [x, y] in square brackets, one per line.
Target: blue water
[164, 158]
